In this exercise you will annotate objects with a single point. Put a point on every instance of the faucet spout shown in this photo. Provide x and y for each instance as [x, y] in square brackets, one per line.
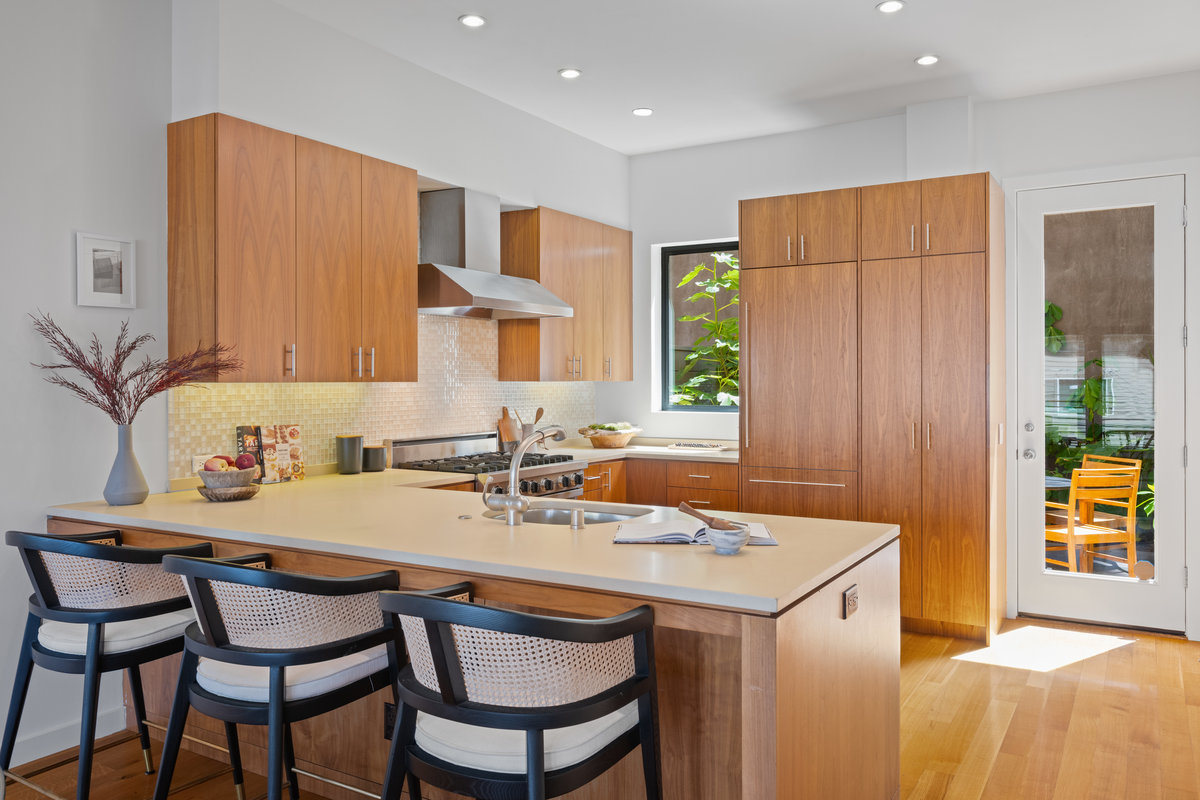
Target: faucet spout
[513, 503]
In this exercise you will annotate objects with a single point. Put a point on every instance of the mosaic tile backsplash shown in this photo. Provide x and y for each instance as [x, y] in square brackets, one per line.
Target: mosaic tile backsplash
[456, 392]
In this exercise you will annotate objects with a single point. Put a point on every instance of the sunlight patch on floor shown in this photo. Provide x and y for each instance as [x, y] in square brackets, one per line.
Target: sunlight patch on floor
[1043, 649]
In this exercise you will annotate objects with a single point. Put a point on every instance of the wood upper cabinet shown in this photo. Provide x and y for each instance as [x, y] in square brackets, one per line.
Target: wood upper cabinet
[767, 232]
[328, 262]
[929, 217]
[891, 421]
[891, 214]
[588, 265]
[231, 198]
[389, 271]
[827, 224]
[266, 241]
[954, 212]
[799, 367]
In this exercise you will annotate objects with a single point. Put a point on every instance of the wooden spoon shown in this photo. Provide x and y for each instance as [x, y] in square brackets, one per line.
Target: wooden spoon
[712, 522]
[538, 415]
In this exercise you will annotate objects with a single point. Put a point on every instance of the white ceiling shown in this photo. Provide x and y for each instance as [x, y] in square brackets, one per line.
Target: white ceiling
[715, 70]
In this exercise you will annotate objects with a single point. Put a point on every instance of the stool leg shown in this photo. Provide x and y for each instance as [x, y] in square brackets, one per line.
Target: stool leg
[535, 764]
[414, 787]
[91, 697]
[402, 737]
[289, 762]
[179, 714]
[139, 711]
[19, 691]
[648, 733]
[235, 760]
[275, 735]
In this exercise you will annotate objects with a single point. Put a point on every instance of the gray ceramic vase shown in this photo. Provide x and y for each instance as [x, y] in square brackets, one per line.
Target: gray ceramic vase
[126, 484]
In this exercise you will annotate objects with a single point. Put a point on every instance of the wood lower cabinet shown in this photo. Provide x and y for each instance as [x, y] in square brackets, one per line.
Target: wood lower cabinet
[800, 367]
[468, 486]
[604, 482]
[707, 485]
[587, 264]
[300, 255]
[812, 228]
[830, 494]
[646, 481]
[703, 499]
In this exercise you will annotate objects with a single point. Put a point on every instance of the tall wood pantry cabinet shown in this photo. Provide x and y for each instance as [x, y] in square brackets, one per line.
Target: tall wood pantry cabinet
[904, 404]
[587, 264]
[300, 255]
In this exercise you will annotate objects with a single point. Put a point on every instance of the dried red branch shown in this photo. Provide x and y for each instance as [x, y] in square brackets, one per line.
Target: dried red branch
[120, 392]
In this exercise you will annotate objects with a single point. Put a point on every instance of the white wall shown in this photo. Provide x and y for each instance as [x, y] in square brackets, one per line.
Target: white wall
[691, 194]
[86, 97]
[282, 69]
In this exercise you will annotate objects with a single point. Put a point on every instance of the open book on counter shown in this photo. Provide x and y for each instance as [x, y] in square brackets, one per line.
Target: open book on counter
[680, 531]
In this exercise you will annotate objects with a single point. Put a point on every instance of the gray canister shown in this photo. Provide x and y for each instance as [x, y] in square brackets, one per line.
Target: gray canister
[349, 454]
[374, 458]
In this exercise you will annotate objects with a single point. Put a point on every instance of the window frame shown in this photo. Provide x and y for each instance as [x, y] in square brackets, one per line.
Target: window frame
[667, 321]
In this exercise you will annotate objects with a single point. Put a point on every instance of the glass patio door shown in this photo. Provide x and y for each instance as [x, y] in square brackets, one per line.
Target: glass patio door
[1100, 395]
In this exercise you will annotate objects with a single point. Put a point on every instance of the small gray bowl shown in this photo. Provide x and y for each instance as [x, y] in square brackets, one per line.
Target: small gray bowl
[227, 478]
[727, 543]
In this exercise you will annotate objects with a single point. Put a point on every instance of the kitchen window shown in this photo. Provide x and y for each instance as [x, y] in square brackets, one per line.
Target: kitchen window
[700, 327]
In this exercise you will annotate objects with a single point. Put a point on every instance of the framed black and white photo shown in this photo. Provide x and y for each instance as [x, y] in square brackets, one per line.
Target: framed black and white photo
[105, 270]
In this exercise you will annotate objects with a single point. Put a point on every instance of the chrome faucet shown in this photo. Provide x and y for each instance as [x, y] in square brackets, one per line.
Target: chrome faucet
[513, 503]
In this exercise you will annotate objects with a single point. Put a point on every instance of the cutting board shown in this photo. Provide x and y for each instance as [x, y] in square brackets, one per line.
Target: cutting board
[510, 429]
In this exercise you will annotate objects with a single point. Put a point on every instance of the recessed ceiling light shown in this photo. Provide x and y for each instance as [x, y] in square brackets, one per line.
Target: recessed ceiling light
[570, 73]
[927, 61]
[472, 20]
[890, 6]
[643, 112]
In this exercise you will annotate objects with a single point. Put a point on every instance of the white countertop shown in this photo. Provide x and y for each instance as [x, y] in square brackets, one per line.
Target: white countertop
[384, 515]
[640, 448]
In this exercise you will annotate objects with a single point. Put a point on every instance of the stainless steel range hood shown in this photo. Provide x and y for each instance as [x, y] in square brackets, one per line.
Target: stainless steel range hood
[459, 270]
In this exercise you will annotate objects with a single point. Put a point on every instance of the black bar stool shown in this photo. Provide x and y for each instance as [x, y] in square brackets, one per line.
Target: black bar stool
[97, 607]
[498, 704]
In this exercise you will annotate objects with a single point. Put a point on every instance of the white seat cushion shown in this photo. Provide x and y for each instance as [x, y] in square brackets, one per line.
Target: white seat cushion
[252, 684]
[119, 637]
[504, 750]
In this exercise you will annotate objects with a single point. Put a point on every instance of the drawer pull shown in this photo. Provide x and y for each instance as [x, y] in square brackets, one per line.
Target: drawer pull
[592, 478]
[799, 483]
[700, 502]
[704, 477]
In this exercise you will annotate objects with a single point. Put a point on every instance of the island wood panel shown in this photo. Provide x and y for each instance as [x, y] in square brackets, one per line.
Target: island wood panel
[703, 499]
[328, 263]
[802, 382]
[767, 232]
[890, 215]
[586, 260]
[832, 494]
[828, 226]
[192, 237]
[469, 486]
[890, 469]
[954, 209]
[618, 304]
[954, 467]
[834, 703]
[256, 248]
[646, 481]
[702, 475]
[389, 270]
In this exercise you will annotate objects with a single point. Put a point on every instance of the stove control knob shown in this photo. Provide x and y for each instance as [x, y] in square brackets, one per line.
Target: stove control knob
[548, 485]
[523, 486]
[579, 479]
[534, 487]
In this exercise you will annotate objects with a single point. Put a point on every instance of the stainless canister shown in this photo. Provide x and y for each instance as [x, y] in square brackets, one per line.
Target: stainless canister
[349, 454]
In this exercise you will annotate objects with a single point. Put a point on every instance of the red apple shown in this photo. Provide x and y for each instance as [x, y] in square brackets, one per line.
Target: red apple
[227, 459]
[215, 464]
[245, 461]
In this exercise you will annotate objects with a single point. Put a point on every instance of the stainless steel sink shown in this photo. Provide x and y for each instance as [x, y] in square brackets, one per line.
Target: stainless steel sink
[550, 513]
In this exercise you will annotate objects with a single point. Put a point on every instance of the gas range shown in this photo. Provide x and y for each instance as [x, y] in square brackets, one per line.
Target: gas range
[477, 454]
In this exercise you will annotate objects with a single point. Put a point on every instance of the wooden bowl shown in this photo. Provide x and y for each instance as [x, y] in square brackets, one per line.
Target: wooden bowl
[228, 478]
[609, 439]
[228, 493]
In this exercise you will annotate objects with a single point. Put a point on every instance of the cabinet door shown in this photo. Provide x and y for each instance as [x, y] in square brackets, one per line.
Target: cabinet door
[618, 304]
[256, 248]
[557, 263]
[827, 223]
[827, 494]
[954, 213]
[767, 232]
[646, 481]
[588, 300]
[954, 467]
[613, 484]
[891, 214]
[703, 499]
[892, 439]
[389, 271]
[593, 483]
[800, 367]
[328, 262]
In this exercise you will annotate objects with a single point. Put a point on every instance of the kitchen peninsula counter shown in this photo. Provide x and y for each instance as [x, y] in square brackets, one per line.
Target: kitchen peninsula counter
[767, 690]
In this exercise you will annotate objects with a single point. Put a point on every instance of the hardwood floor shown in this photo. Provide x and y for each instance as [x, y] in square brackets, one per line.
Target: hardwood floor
[1122, 724]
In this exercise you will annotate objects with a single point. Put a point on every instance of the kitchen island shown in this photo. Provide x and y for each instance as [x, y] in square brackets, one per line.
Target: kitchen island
[768, 689]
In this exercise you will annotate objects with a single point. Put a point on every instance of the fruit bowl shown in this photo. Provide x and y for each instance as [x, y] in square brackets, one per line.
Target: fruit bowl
[227, 479]
[218, 495]
[609, 439]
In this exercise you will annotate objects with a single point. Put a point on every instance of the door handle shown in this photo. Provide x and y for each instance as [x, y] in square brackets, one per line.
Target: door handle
[292, 355]
[802, 247]
[571, 368]
[928, 435]
[912, 238]
[360, 364]
[744, 398]
[926, 235]
[789, 257]
[372, 362]
[1028, 454]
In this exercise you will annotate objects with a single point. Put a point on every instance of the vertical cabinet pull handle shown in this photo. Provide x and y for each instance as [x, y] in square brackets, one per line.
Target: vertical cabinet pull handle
[914, 436]
[578, 367]
[608, 367]
[912, 238]
[571, 367]
[360, 372]
[802, 247]
[789, 257]
[928, 435]
[744, 399]
[926, 235]
[372, 362]
[292, 359]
